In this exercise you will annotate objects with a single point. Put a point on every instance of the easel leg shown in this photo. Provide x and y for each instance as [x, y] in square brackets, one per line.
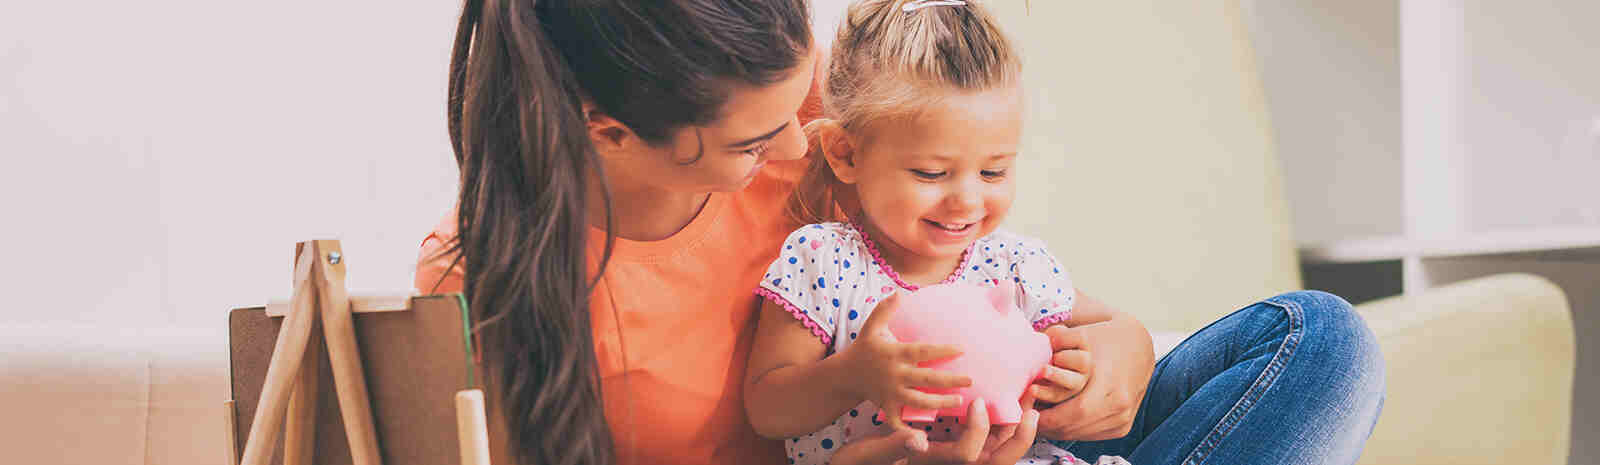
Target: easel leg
[287, 355]
[472, 428]
[348, 378]
[300, 430]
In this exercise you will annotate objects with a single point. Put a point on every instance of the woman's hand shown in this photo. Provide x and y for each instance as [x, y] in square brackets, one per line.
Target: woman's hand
[1112, 350]
[885, 372]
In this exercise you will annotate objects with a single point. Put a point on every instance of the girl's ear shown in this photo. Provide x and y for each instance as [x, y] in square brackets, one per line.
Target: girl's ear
[839, 149]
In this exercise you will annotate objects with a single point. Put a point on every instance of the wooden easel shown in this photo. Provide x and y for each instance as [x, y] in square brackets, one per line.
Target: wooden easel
[321, 303]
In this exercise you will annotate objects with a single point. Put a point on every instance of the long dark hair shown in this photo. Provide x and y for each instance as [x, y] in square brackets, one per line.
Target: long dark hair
[519, 75]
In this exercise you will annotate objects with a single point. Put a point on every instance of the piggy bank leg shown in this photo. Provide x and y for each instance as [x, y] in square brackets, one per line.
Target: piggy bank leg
[918, 414]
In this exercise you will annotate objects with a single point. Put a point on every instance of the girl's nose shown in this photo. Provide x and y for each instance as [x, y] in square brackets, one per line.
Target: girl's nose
[966, 196]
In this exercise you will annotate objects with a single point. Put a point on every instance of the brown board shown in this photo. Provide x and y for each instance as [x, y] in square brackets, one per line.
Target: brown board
[415, 361]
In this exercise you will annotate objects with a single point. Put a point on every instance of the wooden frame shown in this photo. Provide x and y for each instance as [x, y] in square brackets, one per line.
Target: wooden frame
[288, 398]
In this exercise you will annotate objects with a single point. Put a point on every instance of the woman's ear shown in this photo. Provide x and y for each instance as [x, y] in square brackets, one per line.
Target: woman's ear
[838, 148]
[608, 135]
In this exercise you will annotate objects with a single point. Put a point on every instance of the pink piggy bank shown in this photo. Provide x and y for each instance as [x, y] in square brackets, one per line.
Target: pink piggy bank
[1001, 352]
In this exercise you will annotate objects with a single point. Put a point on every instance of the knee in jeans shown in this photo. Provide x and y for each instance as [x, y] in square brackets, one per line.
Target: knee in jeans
[1330, 322]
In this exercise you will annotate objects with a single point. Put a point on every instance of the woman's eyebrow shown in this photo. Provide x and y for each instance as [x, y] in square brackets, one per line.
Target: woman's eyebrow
[759, 138]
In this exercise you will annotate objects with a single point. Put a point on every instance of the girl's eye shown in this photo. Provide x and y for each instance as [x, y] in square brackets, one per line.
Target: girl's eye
[994, 174]
[924, 174]
[758, 149]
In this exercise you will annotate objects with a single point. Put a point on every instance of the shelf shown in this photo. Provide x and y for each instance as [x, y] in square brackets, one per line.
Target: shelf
[1490, 243]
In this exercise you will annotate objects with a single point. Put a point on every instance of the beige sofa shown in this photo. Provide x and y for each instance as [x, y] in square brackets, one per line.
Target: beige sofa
[1150, 171]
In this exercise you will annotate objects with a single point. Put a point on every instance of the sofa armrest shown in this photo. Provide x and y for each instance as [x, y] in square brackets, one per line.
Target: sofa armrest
[1479, 371]
[112, 395]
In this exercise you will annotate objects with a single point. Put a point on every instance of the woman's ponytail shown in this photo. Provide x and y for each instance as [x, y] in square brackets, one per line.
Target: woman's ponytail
[522, 230]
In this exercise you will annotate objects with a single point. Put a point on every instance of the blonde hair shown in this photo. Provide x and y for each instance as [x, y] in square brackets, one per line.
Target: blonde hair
[888, 65]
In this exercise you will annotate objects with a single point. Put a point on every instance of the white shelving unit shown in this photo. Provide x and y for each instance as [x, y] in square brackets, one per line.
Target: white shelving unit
[1426, 142]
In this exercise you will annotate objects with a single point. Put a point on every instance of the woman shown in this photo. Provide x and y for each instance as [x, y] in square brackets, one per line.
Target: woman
[623, 170]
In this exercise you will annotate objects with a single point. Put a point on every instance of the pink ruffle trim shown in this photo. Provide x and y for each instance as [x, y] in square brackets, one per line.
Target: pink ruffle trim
[827, 339]
[1050, 320]
[889, 270]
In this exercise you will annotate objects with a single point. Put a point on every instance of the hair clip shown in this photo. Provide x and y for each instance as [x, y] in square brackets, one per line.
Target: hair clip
[915, 5]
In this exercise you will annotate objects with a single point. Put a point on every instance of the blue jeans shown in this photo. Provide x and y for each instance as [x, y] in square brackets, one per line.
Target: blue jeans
[1295, 379]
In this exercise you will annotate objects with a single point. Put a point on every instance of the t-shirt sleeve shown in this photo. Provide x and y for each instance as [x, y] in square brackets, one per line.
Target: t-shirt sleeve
[800, 280]
[1047, 293]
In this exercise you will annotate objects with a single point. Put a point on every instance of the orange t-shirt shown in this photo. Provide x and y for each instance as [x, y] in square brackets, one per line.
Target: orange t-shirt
[673, 323]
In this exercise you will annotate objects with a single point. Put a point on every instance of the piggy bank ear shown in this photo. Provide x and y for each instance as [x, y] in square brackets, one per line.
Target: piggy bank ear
[1003, 298]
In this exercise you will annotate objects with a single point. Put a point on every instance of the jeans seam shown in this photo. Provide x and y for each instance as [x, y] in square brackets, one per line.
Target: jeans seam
[1258, 388]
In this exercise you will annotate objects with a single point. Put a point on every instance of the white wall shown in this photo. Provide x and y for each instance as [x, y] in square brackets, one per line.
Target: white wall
[1531, 114]
[162, 158]
[1332, 78]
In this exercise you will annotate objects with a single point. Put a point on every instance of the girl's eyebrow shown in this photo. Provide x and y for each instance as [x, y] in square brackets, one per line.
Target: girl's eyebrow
[752, 140]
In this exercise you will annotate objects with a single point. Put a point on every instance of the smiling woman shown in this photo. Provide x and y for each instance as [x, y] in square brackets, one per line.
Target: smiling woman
[600, 143]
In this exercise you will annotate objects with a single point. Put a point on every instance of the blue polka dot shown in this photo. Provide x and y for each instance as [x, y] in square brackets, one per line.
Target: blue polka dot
[988, 260]
[836, 302]
[852, 335]
[1055, 270]
[793, 260]
[1044, 310]
[788, 247]
[803, 240]
[974, 267]
[853, 314]
[776, 281]
[847, 264]
[827, 443]
[821, 282]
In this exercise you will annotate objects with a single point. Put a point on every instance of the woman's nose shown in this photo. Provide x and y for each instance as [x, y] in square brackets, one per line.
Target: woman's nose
[789, 144]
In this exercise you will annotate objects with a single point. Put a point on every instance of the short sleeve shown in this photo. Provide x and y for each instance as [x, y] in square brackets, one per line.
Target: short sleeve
[1047, 292]
[800, 280]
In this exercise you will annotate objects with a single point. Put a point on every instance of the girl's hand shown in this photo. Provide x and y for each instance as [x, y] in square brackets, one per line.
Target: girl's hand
[980, 444]
[1069, 368]
[885, 371]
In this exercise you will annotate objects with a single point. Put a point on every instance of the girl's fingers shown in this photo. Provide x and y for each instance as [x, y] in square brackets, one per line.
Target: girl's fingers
[918, 353]
[919, 399]
[931, 378]
[1071, 381]
[1064, 338]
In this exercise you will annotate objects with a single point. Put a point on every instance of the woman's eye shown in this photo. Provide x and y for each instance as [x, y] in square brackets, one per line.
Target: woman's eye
[994, 173]
[925, 174]
[758, 149]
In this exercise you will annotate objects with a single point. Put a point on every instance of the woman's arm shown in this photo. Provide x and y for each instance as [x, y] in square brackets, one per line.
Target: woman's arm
[1122, 357]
